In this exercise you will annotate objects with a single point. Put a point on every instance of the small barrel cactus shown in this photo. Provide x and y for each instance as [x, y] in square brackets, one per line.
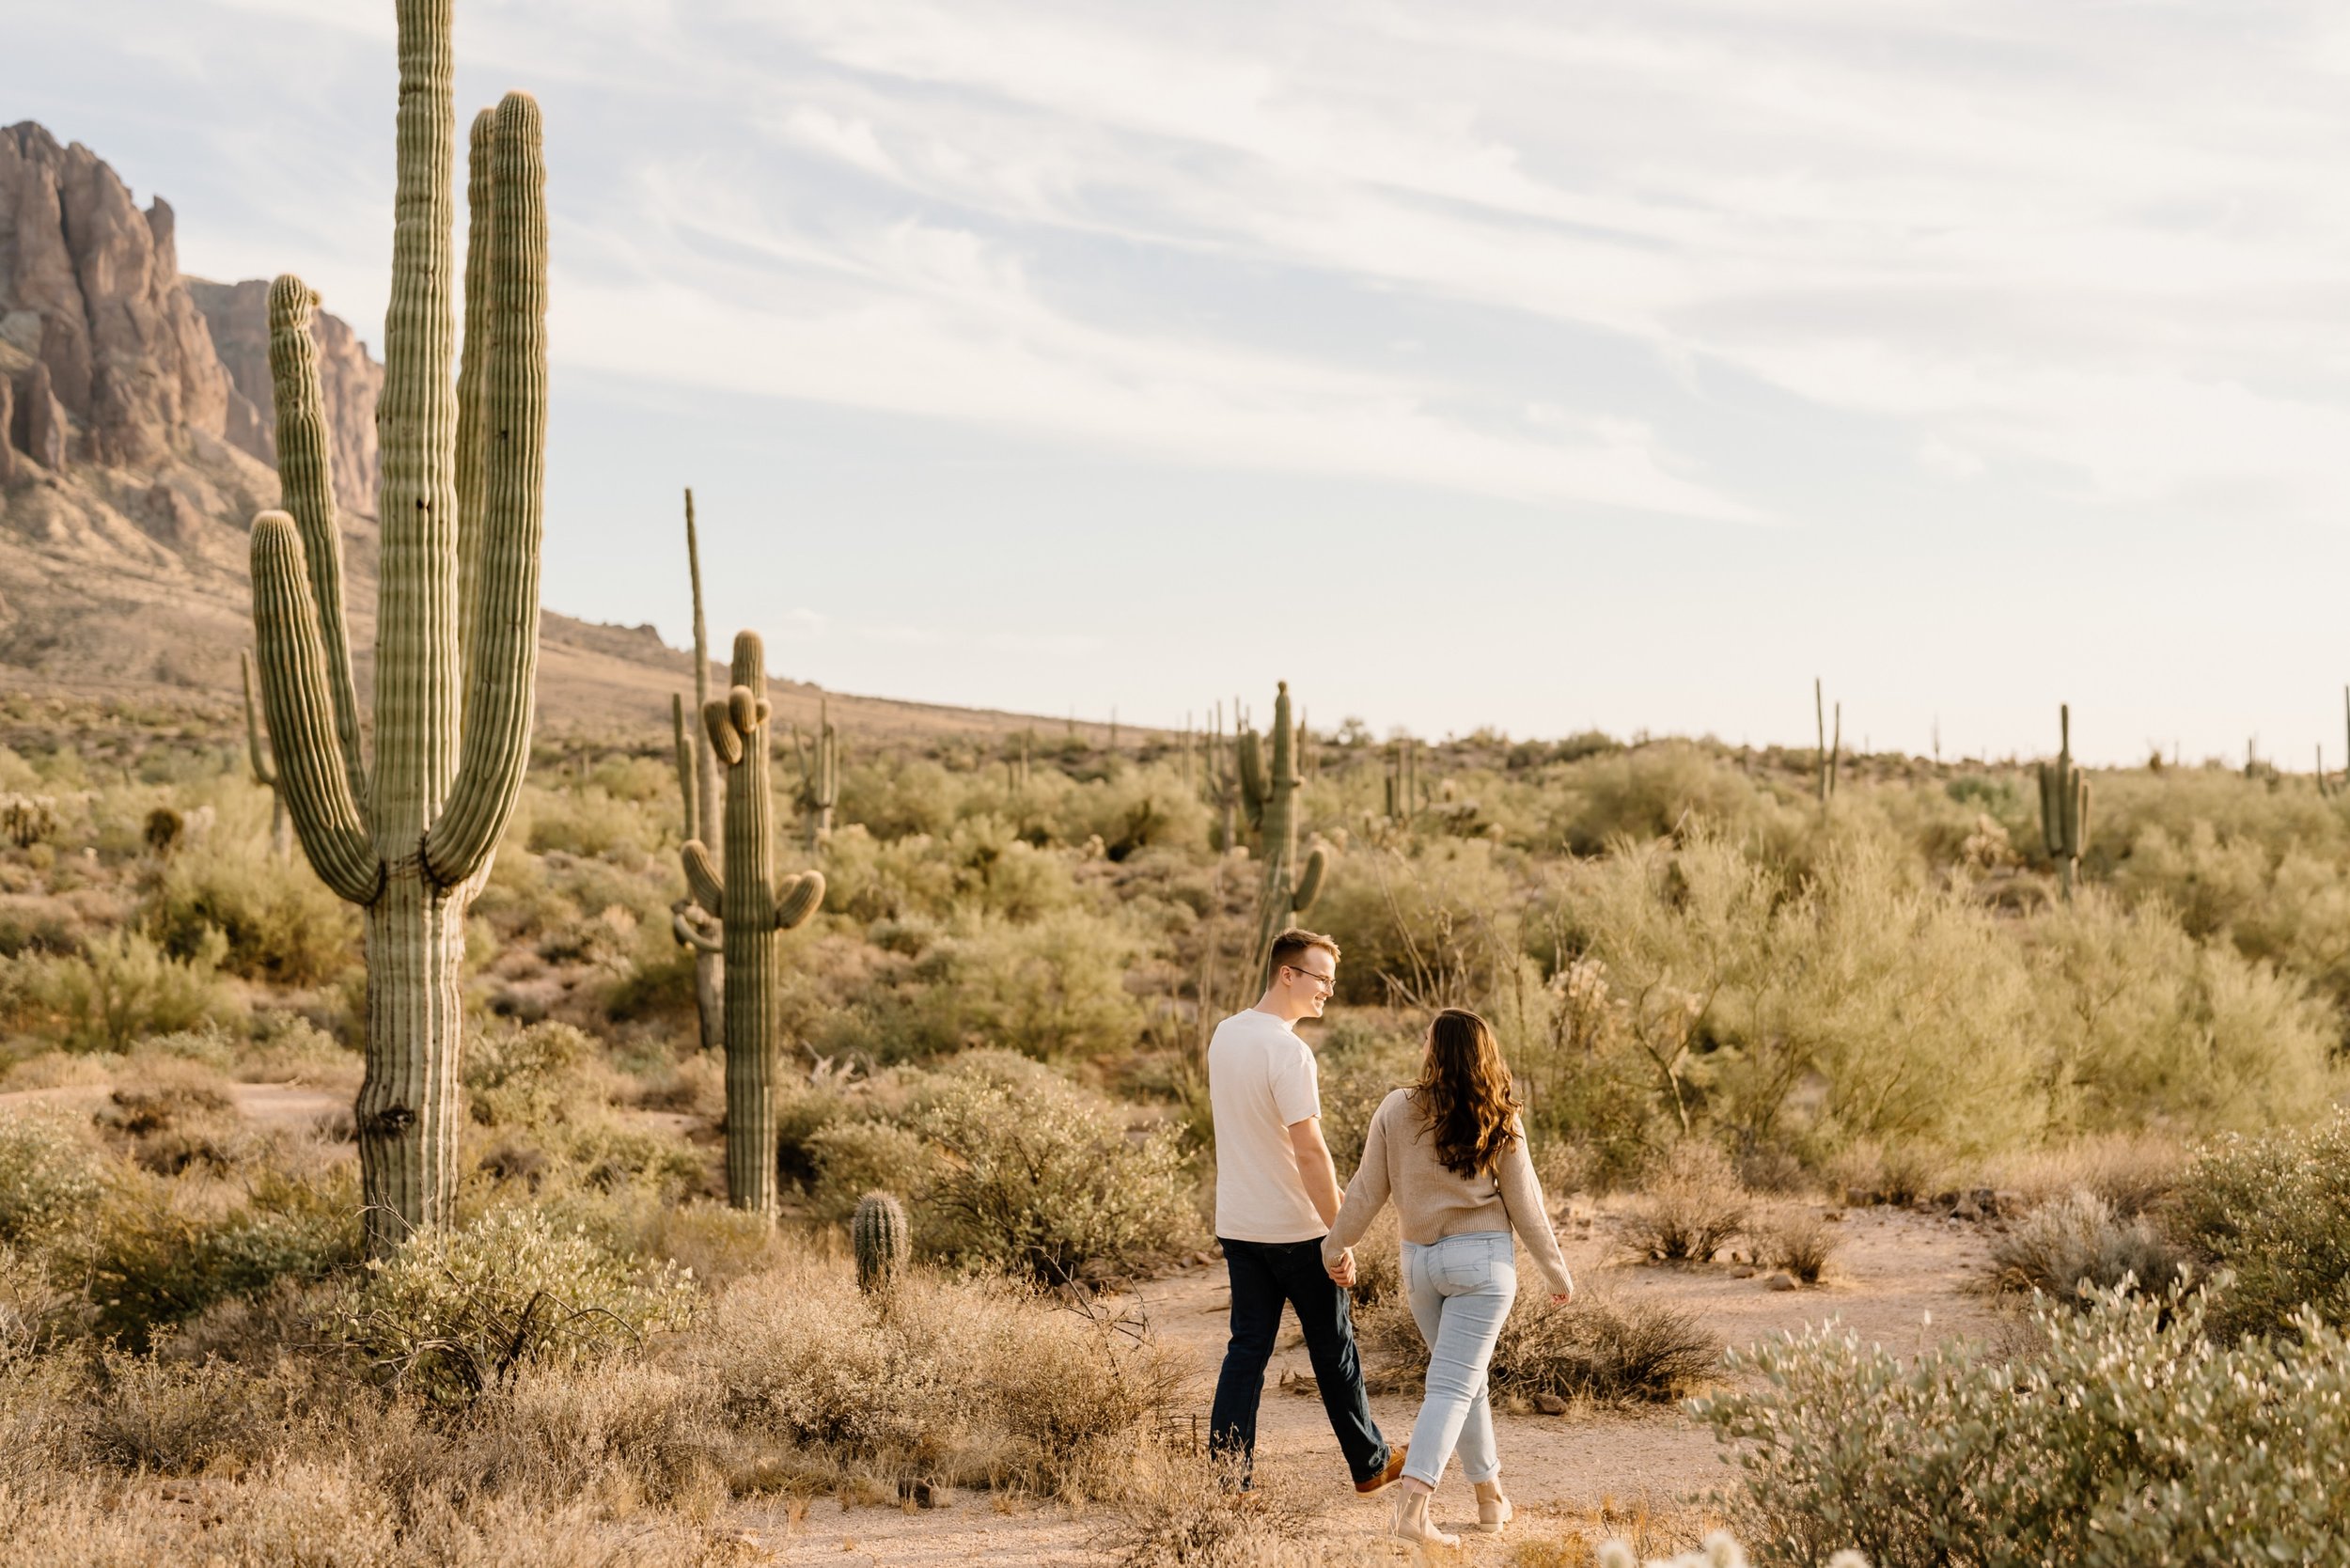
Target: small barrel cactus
[877, 1233]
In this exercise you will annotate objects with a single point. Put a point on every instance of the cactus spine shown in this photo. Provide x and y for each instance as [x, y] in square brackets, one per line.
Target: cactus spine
[264, 773]
[698, 781]
[1288, 893]
[2064, 805]
[457, 640]
[820, 775]
[752, 911]
[877, 1235]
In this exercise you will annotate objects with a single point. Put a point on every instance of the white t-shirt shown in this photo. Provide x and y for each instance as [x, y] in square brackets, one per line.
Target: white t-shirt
[1261, 1082]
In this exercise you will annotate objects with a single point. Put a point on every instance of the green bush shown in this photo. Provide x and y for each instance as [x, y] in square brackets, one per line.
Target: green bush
[1053, 989]
[163, 1250]
[2131, 1439]
[527, 1076]
[1039, 1176]
[124, 988]
[2274, 1213]
[280, 922]
[457, 1311]
[50, 1177]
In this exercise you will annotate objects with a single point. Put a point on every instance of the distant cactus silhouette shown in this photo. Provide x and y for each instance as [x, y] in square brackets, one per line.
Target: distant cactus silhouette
[697, 783]
[2064, 805]
[264, 771]
[1289, 891]
[820, 775]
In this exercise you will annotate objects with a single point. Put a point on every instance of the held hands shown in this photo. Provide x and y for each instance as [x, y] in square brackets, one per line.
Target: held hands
[1342, 1272]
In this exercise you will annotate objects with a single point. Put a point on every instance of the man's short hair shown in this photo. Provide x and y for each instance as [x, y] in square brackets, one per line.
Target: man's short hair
[1294, 944]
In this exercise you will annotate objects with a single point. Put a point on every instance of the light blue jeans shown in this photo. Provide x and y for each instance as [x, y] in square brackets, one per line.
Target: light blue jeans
[1460, 1290]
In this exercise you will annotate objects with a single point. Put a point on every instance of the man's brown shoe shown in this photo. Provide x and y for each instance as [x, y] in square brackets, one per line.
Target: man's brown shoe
[1385, 1478]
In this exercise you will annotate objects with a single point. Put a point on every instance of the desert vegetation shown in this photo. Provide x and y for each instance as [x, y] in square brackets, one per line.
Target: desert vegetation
[1729, 1009]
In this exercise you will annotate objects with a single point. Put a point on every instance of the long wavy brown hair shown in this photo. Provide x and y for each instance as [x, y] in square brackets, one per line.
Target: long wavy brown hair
[1465, 1092]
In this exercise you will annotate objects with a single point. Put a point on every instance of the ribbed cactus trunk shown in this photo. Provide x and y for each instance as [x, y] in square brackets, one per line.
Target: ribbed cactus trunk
[1287, 893]
[755, 913]
[464, 472]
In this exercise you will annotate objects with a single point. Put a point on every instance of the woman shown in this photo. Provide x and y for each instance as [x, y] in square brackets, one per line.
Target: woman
[1451, 1152]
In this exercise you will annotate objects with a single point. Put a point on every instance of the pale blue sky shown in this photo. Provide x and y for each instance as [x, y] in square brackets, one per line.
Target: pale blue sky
[1534, 365]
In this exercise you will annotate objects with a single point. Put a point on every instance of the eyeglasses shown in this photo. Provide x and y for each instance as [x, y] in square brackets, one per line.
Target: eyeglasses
[1329, 982]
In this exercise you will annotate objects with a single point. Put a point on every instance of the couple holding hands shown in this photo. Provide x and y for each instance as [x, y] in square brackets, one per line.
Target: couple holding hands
[1449, 1151]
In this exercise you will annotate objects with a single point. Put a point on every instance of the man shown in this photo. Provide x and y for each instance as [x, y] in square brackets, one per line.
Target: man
[1277, 1193]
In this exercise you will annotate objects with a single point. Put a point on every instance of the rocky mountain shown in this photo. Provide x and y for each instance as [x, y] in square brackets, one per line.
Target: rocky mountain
[138, 439]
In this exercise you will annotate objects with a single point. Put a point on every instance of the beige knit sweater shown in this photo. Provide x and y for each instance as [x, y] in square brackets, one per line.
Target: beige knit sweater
[1400, 1161]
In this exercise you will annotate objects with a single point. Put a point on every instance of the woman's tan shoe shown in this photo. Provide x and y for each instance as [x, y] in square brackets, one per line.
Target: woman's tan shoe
[1410, 1522]
[1494, 1512]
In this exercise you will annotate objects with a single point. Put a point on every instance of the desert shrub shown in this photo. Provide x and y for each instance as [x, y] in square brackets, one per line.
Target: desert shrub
[2274, 1213]
[527, 1076]
[852, 1158]
[1610, 1348]
[1689, 1209]
[957, 1382]
[1436, 927]
[2076, 1245]
[163, 1250]
[1358, 1063]
[125, 987]
[150, 1414]
[2132, 1437]
[456, 1312]
[280, 923]
[1052, 989]
[1645, 794]
[2143, 1023]
[1039, 1175]
[2133, 1172]
[50, 1177]
[592, 822]
[1798, 1241]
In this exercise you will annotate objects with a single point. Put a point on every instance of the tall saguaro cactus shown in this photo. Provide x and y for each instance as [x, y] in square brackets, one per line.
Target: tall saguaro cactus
[1831, 752]
[456, 627]
[1222, 776]
[820, 775]
[1288, 892]
[754, 912]
[2064, 805]
[697, 782]
[264, 771]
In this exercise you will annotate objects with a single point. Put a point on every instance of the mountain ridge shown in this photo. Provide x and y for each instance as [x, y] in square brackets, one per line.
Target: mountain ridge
[137, 440]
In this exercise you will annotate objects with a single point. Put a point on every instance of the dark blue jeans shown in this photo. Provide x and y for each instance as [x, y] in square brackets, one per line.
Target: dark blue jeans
[1265, 1275]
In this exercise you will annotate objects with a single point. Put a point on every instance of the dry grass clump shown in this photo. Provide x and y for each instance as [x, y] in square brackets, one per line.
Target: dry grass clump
[1608, 1349]
[1689, 1209]
[1634, 1531]
[2078, 1244]
[946, 1383]
[1798, 1241]
[2133, 1172]
[1179, 1510]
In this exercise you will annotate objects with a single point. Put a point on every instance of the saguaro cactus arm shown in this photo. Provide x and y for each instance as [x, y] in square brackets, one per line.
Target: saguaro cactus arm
[799, 898]
[702, 878]
[688, 935]
[1309, 881]
[306, 483]
[505, 654]
[294, 690]
[472, 494]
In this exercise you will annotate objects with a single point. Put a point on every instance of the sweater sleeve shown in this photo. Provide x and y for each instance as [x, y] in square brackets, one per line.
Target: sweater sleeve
[1366, 1194]
[1522, 1190]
